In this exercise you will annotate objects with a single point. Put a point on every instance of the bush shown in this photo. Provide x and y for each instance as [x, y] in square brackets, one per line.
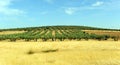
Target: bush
[30, 52]
[115, 38]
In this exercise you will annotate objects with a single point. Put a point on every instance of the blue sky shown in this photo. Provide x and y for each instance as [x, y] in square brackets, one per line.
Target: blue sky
[29, 13]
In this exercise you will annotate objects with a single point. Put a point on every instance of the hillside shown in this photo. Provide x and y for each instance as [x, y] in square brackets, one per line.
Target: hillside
[53, 33]
[65, 27]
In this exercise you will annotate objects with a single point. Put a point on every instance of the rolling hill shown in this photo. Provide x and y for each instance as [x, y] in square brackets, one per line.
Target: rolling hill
[58, 33]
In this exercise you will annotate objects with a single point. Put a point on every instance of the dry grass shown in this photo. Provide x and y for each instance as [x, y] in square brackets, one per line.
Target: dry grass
[102, 32]
[53, 33]
[11, 32]
[59, 32]
[60, 53]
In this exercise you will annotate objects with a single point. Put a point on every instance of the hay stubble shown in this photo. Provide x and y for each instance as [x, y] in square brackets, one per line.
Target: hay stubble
[60, 53]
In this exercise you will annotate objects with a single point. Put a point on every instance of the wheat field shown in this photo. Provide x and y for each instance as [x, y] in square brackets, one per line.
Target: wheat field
[60, 53]
[11, 32]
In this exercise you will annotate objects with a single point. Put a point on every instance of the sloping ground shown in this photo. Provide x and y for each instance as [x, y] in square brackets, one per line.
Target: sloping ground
[11, 32]
[54, 33]
[60, 53]
[102, 32]
[59, 27]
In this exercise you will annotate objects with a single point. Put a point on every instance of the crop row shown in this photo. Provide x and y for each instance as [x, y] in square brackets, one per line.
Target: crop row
[60, 34]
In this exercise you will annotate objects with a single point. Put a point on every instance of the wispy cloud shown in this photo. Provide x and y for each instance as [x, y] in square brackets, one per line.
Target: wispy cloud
[70, 11]
[98, 3]
[6, 10]
[5, 2]
[73, 10]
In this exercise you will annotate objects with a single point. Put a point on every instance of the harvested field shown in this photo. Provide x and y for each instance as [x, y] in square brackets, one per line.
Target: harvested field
[104, 32]
[10, 32]
[60, 53]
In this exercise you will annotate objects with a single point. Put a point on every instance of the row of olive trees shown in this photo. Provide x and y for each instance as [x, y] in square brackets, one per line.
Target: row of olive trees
[62, 35]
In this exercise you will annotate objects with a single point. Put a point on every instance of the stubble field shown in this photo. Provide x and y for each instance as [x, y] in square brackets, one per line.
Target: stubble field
[60, 53]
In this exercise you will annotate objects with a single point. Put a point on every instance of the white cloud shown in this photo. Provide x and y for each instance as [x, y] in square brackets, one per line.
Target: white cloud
[70, 11]
[73, 10]
[4, 3]
[98, 3]
[6, 10]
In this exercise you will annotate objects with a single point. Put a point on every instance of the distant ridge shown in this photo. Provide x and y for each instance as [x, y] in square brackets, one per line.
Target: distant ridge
[62, 26]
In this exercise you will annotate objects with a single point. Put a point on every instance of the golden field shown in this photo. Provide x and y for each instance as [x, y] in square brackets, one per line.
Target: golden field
[60, 53]
[103, 32]
[11, 32]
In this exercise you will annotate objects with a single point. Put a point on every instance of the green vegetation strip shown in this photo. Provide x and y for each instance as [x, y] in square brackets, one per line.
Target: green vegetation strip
[67, 32]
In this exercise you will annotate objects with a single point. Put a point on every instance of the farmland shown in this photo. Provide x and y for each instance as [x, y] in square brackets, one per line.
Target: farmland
[104, 32]
[60, 53]
[60, 45]
[53, 33]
